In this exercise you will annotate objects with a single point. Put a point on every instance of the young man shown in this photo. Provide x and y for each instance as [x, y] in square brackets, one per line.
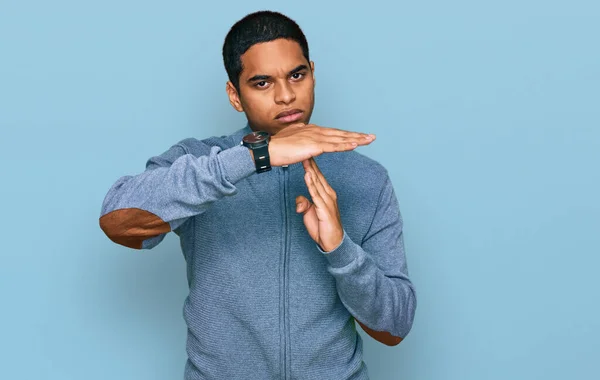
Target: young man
[288, 234]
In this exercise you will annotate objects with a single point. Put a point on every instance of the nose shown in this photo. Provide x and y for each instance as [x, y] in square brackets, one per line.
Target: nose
[284, 93]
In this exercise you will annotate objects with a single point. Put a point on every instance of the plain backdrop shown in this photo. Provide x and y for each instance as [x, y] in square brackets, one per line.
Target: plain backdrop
[488, 119]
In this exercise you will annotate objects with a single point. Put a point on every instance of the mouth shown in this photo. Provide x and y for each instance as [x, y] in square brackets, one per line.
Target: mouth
[289, 116]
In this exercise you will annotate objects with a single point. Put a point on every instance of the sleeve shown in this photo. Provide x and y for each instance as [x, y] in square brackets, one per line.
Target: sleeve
[372, 278]
[139, 210]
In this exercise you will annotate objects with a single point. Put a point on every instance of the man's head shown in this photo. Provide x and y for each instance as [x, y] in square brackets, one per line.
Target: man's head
[270, 74]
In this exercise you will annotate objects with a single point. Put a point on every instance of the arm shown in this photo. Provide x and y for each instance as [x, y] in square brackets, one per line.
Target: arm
[372, 278]
[138, 211]
[381, 336]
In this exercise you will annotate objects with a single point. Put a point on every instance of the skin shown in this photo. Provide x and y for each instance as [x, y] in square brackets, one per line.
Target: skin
[291, 85]
[277, 77]
[323, 222]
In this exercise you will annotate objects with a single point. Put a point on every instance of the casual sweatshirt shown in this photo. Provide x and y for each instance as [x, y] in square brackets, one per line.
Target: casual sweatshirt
[265, 301]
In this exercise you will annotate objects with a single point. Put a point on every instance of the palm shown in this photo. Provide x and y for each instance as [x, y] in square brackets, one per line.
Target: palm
[311, 221]
[315, 222]
[322, 218]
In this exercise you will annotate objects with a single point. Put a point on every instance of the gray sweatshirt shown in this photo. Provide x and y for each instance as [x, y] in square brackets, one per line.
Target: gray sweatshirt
[265, 302]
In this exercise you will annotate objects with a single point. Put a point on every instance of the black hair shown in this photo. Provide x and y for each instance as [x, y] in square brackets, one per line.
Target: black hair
[254, 28]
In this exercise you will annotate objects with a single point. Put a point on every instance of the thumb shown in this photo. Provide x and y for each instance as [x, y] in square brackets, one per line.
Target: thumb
[302, 204]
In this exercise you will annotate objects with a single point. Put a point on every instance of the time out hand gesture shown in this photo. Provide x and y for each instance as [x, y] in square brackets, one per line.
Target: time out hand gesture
[322, 217]
[300, 142]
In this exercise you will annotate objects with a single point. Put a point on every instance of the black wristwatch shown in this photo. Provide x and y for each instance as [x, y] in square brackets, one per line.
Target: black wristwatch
[258, 142]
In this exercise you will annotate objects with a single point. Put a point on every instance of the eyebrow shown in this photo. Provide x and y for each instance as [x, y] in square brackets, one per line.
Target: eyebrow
[266, 77]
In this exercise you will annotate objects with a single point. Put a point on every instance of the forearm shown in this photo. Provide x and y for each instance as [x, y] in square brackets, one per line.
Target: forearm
[156, 201]
[383, 302]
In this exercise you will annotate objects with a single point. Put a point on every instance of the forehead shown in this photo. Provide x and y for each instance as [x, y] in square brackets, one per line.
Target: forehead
[276, 57]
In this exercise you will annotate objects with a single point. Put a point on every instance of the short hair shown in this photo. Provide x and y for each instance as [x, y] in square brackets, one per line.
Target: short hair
[254, 28]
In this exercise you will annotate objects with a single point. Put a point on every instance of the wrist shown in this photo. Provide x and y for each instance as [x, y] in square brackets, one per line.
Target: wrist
[258, 144]
[273, 153]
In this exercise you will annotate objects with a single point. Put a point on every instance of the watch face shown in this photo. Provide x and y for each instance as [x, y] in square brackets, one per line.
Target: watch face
[256, 137]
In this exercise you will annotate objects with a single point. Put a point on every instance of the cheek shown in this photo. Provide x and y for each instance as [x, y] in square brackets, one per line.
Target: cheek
[258, 105]
[307, 89]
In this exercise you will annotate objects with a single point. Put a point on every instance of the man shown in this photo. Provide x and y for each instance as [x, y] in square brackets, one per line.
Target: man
[289, 235]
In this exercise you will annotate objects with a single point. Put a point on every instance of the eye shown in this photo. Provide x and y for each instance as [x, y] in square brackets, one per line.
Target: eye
[261, 84]
[297, 76]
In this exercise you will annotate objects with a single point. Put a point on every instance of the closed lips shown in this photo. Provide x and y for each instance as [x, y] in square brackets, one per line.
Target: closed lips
[287, 113]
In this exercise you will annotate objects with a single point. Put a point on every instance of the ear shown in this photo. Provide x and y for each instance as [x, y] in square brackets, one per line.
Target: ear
[234, 97]
[312, 69]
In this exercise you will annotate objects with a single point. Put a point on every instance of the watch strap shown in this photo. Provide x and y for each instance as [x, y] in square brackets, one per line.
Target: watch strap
[262, 159]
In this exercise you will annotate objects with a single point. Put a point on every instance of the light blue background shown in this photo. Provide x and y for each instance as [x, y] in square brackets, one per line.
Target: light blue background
[487, 116]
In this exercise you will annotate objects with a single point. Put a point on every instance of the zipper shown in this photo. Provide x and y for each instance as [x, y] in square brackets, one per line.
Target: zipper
[285, 274]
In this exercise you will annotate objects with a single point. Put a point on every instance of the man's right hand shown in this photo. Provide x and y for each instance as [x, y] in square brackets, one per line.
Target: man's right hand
[299, 142]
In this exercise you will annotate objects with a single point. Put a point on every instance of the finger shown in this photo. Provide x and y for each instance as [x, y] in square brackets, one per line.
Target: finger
[343, 133]
[314, 193]
[306, 208]
[306, 165]
[320, 180]
[299, 202]
[341, 147]
[313, 165]
[302, 204]
[340, 139]
[324, 197]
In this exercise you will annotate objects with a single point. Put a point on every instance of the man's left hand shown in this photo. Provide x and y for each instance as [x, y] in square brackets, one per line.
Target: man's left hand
[322, 217]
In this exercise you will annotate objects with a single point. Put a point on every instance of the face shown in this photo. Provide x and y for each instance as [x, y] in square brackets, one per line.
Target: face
[276, 86]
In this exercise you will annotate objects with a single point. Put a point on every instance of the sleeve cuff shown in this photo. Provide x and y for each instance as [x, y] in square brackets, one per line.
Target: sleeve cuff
[344, 254]
[237, 163]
